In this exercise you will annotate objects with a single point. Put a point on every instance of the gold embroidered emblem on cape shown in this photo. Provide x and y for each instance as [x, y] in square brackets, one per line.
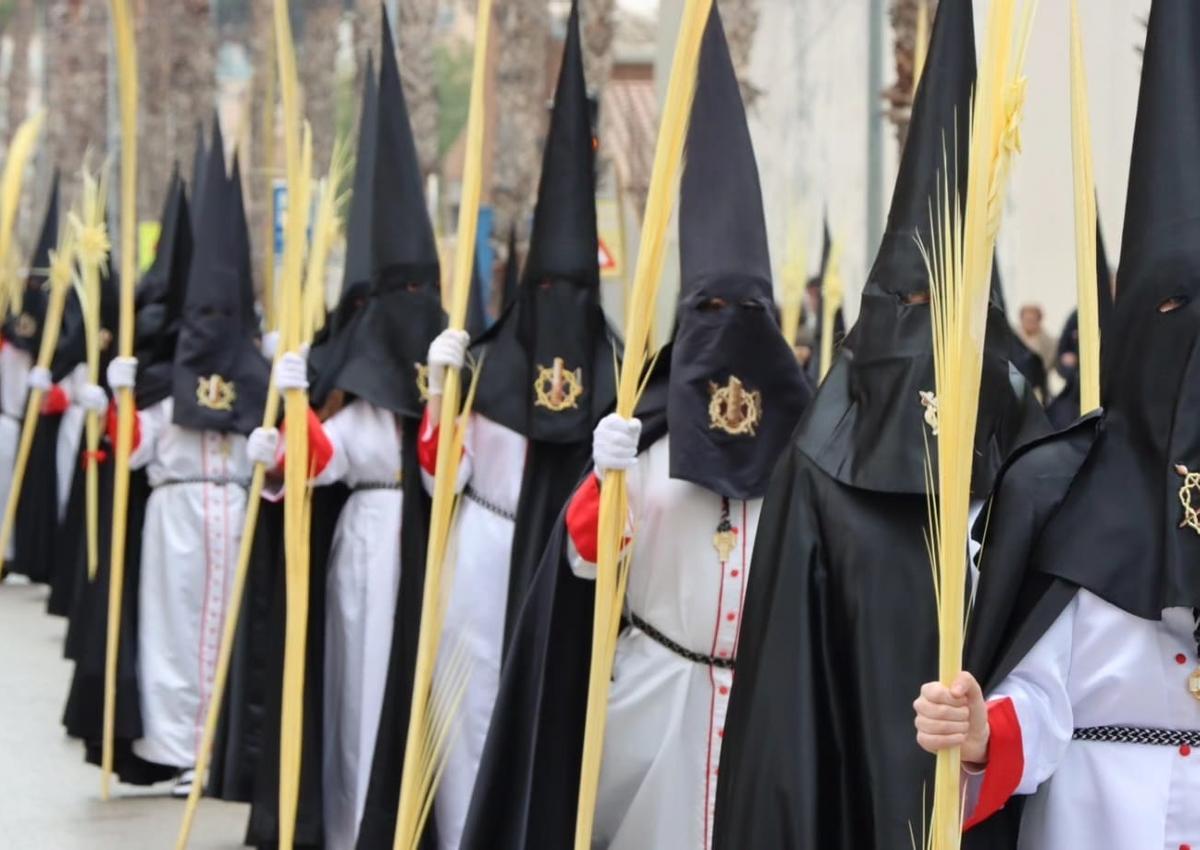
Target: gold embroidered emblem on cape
[558, 388]
[1190, 486]
[734, 409]
[1194, 683]
[930, 403]
[422, 380]
[215, 393]
[27, 326]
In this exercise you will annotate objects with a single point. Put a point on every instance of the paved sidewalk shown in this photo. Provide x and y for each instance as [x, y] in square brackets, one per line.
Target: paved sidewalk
[49, 798]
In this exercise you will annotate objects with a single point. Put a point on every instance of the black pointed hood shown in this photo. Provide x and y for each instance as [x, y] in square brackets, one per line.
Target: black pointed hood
[736, 390]
[548, 372]
[199, 158]
[477, 317]
[1027, 361]
[220, 378]
[24, 331]
[512, 272]
[869, 428]
[1104, 288]
[379, 355]
[1142, 543]
[160, 297]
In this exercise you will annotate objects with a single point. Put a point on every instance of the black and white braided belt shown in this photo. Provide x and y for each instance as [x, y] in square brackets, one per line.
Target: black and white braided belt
[682, 651]
[1138, 735]
[378, 485]
[490, 507]
[199, 479]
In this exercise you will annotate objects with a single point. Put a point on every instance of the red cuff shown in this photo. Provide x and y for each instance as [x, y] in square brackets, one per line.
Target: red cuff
[427, 445]
[111, 428]
[55, 401]
[320, 447]
[583, 519]
[1006, 762]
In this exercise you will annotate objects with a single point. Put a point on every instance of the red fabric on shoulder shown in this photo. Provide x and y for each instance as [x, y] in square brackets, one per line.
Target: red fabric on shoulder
[583, 519]
[320, 447]
[111, 428]
[55, 401]
[1006, 762]
[427, 445]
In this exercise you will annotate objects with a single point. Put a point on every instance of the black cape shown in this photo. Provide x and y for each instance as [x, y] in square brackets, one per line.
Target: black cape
[819, 746]
[36, 528]
[527, 788]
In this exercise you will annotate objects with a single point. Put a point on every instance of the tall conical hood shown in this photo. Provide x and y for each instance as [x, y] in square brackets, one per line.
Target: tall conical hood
[378, 355]
[549, 360]
[25, 330]
[359, 231]
[939, 125]
[1104, 281]
[512, 271]
[736, 391]
[402, 234]
[1142, 545]
[564, 244]
[220, 377]
[199, 157]
[722, 230]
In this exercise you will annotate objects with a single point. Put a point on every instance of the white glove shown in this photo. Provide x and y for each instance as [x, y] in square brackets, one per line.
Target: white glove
[270, 344]
[122, 373]
[291, 372]
[39, 379]
[615, 443]
[93, 399]
[262, 446]
[449, 350]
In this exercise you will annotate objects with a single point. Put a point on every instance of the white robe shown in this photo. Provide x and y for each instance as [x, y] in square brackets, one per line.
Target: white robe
[361, 588]
[490, 472]
[189, 553]
[70, 435]
[1099, 666]
[14, 373]
[666, 714]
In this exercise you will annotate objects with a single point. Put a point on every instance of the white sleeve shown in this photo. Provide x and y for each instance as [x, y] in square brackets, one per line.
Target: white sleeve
[345, 425]
[149, 424]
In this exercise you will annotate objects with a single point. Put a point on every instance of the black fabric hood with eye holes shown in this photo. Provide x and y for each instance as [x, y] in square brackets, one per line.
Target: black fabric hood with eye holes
[874, 414]
[736, 390]
[1129, 531]
[219, 380]
[548, 362]
[391, 308]
[24, 330]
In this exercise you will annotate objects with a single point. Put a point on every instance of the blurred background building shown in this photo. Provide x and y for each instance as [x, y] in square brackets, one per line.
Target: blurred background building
[828, 85]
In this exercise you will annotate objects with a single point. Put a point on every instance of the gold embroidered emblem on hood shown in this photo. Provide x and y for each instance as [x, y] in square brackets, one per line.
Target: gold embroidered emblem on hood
[558, 388]
[734, 409]
[215, 393]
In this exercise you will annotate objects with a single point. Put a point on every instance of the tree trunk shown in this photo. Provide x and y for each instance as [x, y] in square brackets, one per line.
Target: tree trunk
[19, 34]
[177, 57]
[740, 18]
[899, 96]
[521, 26]
[77, 49]
[415, 44]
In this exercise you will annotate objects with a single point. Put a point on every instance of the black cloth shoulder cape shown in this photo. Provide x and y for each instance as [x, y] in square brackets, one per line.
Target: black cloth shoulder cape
[527, 788]
[245, 765]
[378, 827]
[87, 640]
[819, 748]
[36, 527]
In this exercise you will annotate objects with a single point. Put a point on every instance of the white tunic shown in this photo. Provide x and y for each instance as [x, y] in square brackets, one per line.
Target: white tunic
[70, 435]
[666, 714]
[361, 588]
[490, 475]
[1099, 666]
[190, 542]
[14, 372]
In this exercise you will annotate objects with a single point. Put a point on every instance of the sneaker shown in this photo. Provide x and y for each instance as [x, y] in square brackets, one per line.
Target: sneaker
[183, 783]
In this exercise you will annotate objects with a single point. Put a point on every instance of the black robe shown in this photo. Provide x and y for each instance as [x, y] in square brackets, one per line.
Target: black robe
[36, 527]
[68, 572]
[87, 639]
[819, 746]
[526, 791]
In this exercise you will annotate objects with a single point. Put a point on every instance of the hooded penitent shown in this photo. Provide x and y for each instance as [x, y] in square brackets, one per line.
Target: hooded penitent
[219, 381]
[868, 428]
[1130, 533]
[1026, 361]
[160, 296]
[548, 371]
[736, 390]
[24, 330]
[384, 359]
